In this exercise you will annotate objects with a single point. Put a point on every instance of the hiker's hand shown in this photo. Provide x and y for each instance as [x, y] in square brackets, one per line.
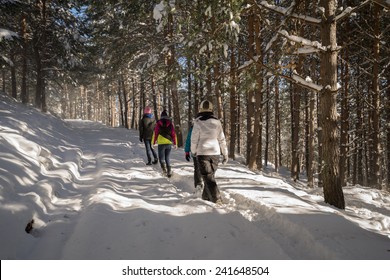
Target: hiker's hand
[224, 160]
[188, 157]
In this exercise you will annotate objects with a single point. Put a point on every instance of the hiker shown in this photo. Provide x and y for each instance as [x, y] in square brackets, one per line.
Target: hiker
[146, 129]
[207, 143]
[198, 181]
[165, 136]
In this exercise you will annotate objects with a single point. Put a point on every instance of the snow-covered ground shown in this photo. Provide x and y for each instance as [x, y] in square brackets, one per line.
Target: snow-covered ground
[91, 196]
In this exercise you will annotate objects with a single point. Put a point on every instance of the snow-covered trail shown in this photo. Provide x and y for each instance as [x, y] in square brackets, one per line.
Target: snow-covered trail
[157, 218]
[148, 216]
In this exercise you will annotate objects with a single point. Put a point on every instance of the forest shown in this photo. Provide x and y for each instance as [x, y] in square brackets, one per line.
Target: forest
[297, 84]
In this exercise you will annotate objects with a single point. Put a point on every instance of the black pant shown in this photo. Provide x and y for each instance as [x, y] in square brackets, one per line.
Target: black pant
[197, 175]
[208, 165]
[149, 150]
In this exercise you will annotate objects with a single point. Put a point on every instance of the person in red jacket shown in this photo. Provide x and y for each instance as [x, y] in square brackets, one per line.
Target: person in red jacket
[165, 136]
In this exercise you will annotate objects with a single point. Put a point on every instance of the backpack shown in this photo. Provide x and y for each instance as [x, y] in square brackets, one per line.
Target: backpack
[166, 129]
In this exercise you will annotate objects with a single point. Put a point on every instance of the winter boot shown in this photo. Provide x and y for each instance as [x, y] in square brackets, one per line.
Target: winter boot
[164, 169]
[169, 171]
[155, 161]
[149, 163]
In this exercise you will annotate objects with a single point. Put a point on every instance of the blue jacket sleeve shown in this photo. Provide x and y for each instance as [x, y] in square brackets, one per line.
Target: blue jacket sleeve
[187, 147]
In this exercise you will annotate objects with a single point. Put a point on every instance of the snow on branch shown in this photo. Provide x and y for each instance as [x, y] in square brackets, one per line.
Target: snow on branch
[284, 11]
[312, 46]
[7, 34]
[159, 12]
[294, 77]
[307, 83]
[349, 10]
[7, 60]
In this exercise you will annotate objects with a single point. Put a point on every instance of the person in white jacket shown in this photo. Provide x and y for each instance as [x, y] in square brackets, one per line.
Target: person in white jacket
[207, 144]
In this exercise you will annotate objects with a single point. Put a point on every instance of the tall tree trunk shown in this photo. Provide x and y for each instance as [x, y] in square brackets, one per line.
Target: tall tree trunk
[312, 101]
[189, 92]
[154, 95]
[259, 96]
[344, 122]
[277, 125]
[121, 103]
[295, 119]
[267, 122]
[359, 133]
[307, 133]
[142, 95]
[333, 192]
[39, 79]
[133, 94]
[233, 104]
[125, 103]
[39, 49]
[196, 89]
[250, 122]
[113, 110]
[310, 167]
[173, 84]
[238, 124]
[217, 90]
[13, 75]
[375, 176]
[209, 78]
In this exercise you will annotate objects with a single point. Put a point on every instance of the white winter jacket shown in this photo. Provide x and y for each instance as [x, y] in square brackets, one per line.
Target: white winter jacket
[207, 137]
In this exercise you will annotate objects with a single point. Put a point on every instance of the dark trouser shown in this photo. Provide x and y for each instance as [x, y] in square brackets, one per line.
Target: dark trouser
[164, 151]
[208, 166]
[197, 174]
[149, 150]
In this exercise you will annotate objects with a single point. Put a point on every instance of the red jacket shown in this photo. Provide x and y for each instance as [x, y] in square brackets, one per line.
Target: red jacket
[164, 132]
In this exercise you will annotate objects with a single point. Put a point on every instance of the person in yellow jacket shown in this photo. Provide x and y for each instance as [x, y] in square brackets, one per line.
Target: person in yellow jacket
[165, 136]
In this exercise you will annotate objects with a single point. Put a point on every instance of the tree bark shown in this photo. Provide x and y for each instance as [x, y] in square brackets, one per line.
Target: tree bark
[374, 176]
[344, 122]
[173, 84]
[14, 93]
[233, 104]
[250, 122]
[295, 118]
[333, 192]
[277, 125]
[39, 49]
[267, 122]
[189, 93]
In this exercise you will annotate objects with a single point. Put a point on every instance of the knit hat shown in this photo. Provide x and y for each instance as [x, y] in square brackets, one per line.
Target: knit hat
[164, 113]
[147, 110]
[206, 106]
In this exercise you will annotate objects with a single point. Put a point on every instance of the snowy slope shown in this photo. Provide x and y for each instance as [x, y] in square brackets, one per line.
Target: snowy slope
[92, 197]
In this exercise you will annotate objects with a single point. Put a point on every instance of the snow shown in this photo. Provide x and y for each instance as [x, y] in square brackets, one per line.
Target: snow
[158, 10]
[300, 40]
[92, 197]
[208, 12]
[288, 12]
[308, 83]
[7, 34]
[158, 13]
